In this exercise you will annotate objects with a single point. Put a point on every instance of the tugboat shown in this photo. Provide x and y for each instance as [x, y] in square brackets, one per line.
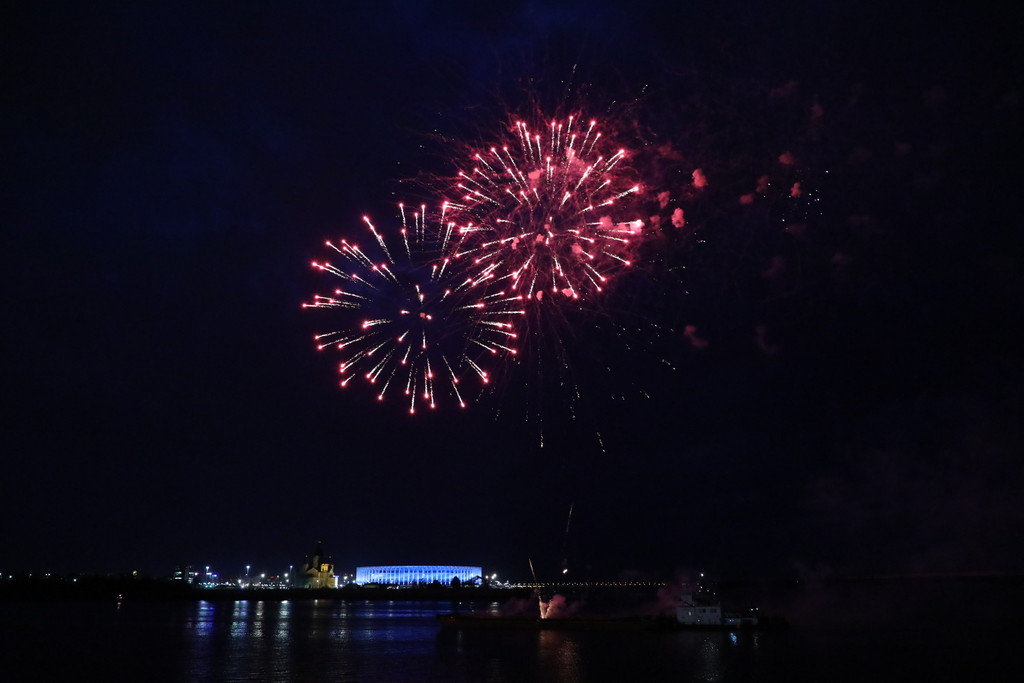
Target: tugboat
[701, 609]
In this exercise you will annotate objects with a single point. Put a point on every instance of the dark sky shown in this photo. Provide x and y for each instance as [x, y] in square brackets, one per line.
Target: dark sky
[169, 172]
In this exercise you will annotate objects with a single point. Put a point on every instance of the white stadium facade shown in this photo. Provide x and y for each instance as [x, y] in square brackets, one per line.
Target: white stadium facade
[416, 574]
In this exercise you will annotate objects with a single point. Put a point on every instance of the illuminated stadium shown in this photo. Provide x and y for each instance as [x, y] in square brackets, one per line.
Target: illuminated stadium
[416, 574]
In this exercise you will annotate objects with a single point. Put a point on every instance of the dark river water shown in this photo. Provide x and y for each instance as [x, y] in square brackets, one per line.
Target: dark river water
[329, 640]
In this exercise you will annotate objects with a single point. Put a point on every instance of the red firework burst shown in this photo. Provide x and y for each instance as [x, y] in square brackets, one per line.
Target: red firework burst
[412, 317]
[547, 211]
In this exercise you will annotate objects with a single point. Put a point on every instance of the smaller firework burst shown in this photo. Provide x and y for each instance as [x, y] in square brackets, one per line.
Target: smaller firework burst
[409, 318]
[547, 211]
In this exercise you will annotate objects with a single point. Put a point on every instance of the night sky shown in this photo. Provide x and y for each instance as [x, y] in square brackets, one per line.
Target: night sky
[847, 401]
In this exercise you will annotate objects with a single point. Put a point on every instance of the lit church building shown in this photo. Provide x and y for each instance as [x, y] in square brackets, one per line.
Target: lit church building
[318, 571]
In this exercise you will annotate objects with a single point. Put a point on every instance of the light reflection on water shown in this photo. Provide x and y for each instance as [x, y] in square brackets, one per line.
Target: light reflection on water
[710, 668]
[299, 640]
[290, 640]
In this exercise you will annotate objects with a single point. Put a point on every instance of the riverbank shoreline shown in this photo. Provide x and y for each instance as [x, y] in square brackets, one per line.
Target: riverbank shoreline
[104, 588]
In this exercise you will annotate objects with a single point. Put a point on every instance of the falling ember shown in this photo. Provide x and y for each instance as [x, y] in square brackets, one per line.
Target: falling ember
[548, 211]
[412, 320]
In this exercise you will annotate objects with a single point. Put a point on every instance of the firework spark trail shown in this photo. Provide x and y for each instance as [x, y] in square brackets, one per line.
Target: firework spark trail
[418, 323]
[548, 212]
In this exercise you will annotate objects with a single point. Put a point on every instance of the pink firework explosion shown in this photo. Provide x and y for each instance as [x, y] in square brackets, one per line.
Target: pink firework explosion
[547, 210]
[411, 319]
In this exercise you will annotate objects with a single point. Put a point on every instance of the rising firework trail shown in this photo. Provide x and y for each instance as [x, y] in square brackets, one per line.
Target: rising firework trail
[549, 208]
[411, 320]
[565, 541]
